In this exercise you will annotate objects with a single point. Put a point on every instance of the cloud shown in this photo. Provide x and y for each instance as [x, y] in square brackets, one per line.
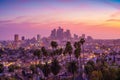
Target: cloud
[18, 19]
[116, 14]
[5, 21]
[114, 20]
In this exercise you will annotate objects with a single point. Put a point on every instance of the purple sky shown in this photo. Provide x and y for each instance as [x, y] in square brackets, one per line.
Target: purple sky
[98, 18]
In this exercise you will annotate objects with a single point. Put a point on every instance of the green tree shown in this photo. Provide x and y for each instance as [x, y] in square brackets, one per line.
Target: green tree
[110, 74]
[118, 74]
[113, 73]
[89, 68]
[37, 53]
[55, 67]
[39, 66]
[90, 62]
[96, 75]
[106, 74]
[1, 68]
[11, 68]
[72, 68]
[33, 68]
[46, 70]
[44, 51]
[1, 51]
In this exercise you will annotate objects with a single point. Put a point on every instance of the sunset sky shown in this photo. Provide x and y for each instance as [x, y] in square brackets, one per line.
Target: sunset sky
[97, 18]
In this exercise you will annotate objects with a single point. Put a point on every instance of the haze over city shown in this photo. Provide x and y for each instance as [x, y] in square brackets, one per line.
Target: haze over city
[97, 18]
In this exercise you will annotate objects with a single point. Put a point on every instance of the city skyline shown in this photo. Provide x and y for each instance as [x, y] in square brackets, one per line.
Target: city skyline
[99, 18]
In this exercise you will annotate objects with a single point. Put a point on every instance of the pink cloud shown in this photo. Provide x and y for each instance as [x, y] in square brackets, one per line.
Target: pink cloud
[114, 20]
[116, 14]
[5, 21]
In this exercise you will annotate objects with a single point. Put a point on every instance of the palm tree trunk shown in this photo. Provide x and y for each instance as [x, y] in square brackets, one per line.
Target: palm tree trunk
[80, 66]
[83, 55]
[70, 57]
[55, 77]
[73, 76]
[80, 62]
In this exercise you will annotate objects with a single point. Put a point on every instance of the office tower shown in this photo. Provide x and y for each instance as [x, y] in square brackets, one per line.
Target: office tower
[59, 33]
[38, 37]
[75, 36]
[89, 38]
[53, 34]
[67, 34]
[22, 38]
[16, 37]
[83, 36]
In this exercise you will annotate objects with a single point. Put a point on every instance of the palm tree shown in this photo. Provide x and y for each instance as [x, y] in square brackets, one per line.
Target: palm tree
[77, 45]
[77, 52]
[45, 53]
[46, 70]
[55, 67]
[68, 49]
[60, 51]
[37, 53]
[55, 51]
[54, 45]
[72, 68]
[82, 41]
